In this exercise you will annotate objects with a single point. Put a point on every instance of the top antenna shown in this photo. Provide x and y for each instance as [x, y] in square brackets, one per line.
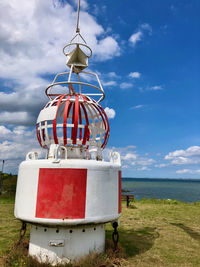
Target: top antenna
[77, 23]
[77, 53]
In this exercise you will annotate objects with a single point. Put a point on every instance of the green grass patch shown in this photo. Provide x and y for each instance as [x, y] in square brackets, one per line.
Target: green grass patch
[153, 232]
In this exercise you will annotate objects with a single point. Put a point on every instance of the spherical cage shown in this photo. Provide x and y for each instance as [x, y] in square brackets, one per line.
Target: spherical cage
[73, 120]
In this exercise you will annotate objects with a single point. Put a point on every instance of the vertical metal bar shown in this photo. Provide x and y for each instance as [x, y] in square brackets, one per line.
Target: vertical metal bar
[77, 22]
[70, 74]
[80, 91]
[69, 78]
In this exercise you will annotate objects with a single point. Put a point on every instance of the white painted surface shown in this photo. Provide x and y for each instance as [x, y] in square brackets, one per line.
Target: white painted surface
[75, 242]
[47, 114]
[101, 191]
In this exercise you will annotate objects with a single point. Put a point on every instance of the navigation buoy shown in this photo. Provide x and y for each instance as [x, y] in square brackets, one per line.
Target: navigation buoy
[69, 196]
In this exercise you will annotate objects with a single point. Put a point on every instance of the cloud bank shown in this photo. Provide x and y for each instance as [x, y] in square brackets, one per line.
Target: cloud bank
[32, 36]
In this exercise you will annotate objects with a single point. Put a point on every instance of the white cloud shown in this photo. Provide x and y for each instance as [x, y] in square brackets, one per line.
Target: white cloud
[125, 166]
[4, 132]
[137, 107]
[136, 37]
[190, 156]
[126, 85]
[131, 159]
[144, 168]
[110, 112]
[151, 88]
[184, 171]
[146, 26]
[16, 118]
[15, 144]
[83, 3]
[145, 161]
[191, 151]
[110, 83]
[161, 165]
[188, 171]
[112, 74]
[32, 37]
[155, 88]
[184, 160]
[129, 156]
[134, 75]
[106, 48]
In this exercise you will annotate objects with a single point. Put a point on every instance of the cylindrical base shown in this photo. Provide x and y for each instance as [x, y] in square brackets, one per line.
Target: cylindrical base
[60, 245]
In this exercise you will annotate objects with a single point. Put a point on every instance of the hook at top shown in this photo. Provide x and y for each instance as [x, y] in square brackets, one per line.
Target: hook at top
[77, 22]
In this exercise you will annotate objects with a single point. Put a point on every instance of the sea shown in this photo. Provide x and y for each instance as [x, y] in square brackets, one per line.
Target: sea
[187, 190]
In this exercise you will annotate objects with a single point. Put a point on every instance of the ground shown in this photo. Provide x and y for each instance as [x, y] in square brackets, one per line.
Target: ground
[152, 233]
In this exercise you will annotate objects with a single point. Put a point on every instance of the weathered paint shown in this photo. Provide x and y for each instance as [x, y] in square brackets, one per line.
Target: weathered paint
[61, 193]
[75, 242]
[102, 192]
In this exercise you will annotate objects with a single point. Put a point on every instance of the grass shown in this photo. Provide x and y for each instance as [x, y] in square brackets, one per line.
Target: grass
[152, 233]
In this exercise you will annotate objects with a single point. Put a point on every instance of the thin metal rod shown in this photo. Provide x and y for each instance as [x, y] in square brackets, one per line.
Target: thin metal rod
[79, 84]
[77, 23]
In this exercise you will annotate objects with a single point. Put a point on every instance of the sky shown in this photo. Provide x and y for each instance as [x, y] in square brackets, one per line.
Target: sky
[147, 56]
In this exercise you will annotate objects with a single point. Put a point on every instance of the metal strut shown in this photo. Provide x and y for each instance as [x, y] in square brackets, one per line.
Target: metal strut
[115, 235]
[22, 232]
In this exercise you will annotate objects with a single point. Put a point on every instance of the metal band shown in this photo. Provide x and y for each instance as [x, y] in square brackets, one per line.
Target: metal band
[106, 124]
[108, 131]
[38, 135]
[72, 82]
[75, 119]
[80, 122]
[86, 126]
[65, 120]
[54, 121]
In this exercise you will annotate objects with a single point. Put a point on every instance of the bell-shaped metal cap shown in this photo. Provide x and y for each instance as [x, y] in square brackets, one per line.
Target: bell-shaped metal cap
[77, 58]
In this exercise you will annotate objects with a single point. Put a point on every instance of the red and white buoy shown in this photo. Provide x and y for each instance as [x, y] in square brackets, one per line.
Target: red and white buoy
[70, 195]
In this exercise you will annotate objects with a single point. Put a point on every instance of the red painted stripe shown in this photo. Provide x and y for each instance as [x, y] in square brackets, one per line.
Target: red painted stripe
[85, 99]
[43, 131]
[106, 140]
[80, 122]
[38, 135]
[61, 193]
[120, 189]
[54, 121]
[73, 111]
[65, 120]
[75, 119]
[86, 130]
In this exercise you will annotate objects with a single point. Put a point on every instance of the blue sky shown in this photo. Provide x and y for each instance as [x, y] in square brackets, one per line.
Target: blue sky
[147, 56]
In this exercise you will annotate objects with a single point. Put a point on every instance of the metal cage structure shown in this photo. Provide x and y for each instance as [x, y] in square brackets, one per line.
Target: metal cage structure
[82, 86]
[73, 120]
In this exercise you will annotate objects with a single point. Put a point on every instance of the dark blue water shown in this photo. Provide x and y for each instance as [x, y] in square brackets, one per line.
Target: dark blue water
[183, 190]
